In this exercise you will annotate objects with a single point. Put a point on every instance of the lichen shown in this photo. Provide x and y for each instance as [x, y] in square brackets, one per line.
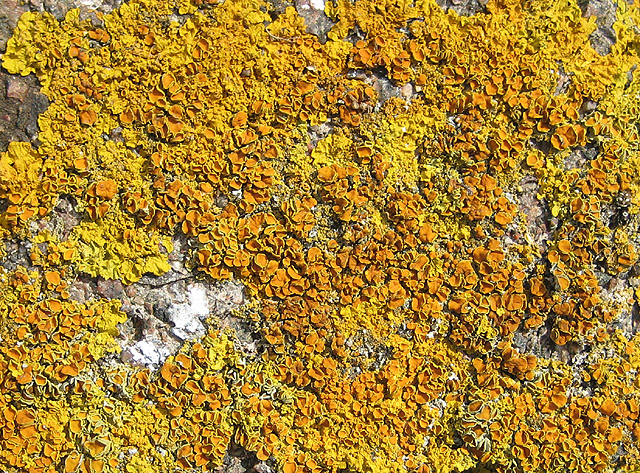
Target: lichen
[368, 193]
[116, 249]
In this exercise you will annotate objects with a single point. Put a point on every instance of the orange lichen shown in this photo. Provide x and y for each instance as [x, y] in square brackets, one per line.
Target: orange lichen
[395, 277]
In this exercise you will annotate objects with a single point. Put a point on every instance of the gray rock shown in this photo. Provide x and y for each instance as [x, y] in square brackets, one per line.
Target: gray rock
[317, 22]
[110, 288]
[605, 12]
[10, 11]
[463, 7]
[20, 105]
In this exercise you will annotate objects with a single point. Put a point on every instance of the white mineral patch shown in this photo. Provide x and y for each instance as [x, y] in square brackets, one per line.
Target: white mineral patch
[148, 354]
[317, 4]
[186, 318]
[91, 4]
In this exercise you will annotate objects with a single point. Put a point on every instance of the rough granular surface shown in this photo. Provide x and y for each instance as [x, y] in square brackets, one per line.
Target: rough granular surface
[319, 236]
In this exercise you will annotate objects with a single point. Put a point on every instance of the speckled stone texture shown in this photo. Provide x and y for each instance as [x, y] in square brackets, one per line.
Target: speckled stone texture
[152, 304]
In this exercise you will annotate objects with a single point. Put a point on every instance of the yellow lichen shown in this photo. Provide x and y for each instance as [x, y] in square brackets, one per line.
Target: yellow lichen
[369, 193]
[117, 250]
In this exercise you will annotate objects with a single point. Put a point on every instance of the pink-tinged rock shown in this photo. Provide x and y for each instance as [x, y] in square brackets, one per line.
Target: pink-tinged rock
[17, 88]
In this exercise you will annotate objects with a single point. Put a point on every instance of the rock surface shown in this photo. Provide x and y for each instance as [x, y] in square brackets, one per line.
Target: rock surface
[164, 312]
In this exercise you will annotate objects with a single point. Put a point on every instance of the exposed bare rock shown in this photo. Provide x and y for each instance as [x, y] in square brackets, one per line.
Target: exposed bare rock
[20, 105]
[605, 12]
[317, 22]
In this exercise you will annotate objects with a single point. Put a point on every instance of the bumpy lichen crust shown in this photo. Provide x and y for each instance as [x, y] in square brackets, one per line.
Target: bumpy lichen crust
[395, 279]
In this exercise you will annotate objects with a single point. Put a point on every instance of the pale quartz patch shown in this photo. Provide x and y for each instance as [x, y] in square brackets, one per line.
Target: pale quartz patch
[91, 4]
[148, 354]
[187, 318]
